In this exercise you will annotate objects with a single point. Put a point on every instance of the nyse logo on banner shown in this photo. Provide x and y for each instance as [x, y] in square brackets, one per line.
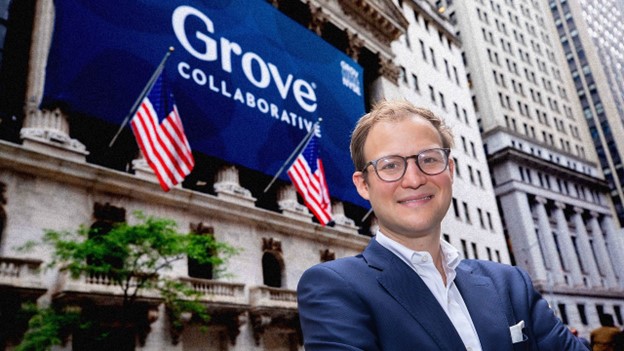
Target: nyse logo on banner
[267, 72]
[350, 77]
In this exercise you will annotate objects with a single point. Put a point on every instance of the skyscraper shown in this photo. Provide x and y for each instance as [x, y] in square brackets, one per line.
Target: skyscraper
[549, 185]
[592, 36]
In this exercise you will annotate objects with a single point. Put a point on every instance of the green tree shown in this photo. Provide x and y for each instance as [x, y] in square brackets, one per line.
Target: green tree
[133, 257]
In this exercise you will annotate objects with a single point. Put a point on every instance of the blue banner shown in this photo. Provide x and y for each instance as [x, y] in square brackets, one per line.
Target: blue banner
[249, 82]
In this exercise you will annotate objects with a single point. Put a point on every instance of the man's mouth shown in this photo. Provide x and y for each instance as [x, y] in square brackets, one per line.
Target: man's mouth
[417, 199]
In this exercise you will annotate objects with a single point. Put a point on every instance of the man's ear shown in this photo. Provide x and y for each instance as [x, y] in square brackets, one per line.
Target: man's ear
[451, 166]
[359, 180]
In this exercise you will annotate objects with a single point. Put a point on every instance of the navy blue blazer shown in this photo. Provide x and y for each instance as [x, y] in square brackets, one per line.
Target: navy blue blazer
[374, 301]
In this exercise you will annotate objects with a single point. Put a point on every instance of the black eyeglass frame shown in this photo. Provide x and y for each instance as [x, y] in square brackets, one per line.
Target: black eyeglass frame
[446, 151]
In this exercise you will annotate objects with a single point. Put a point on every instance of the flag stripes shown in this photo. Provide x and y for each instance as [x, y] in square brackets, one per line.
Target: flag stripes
[308, 177]
[163, 144]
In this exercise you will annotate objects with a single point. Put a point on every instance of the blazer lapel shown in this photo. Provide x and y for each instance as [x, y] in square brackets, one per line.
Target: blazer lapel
[408, 289]
[486, 309]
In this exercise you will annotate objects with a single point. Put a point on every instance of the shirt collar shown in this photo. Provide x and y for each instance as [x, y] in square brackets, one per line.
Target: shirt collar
[450, 255]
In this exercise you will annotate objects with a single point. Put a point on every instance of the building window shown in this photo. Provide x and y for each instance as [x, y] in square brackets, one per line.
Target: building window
[196, 269]
[474, 250]
[272, 262]
[481, 220]
[466, 212]
[563, 313]
[106, 217]
[423, 50]
[271, 270]
[327, 255]
[403, 74]
[416, 85]
[464, 248]
[581, 311]
[489, 219]
[618, 313]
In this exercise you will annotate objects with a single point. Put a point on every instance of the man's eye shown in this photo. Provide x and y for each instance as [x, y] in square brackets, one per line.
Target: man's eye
[429, 160]
[390, 166]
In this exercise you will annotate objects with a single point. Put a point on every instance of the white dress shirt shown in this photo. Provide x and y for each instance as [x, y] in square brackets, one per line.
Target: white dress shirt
[448, 296]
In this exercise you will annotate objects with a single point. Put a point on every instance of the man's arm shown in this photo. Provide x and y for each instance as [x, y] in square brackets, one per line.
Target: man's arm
[549, 332]
[332, 313]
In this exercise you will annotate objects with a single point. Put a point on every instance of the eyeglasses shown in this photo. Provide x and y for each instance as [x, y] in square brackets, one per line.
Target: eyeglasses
[392, 168]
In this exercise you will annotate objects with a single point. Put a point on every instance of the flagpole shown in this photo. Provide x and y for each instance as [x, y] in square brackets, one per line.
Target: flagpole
[367, 214]
[146, 89]
[301, 145]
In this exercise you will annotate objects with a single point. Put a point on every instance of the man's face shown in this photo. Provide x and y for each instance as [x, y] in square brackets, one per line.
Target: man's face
[414, 206]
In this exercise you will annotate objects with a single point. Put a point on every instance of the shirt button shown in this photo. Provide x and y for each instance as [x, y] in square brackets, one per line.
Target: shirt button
[469, 348]
[424, 258]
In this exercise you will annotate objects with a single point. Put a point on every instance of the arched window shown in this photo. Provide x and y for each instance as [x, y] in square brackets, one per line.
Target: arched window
[272, 262]
[106, 216]
[272, 269]
[196, 269]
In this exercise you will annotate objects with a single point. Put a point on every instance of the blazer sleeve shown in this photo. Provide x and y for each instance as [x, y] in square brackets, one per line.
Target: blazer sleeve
[333, 315]
[547, 330]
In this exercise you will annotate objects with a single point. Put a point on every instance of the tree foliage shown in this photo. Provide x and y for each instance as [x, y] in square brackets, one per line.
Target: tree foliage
[135, 258]
[46, 327]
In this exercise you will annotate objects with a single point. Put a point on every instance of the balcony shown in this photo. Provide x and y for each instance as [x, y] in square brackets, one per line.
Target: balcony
[100, 289]
[216, 292]
[268, 297]
[21, 275]
[225, 302]
[273, 308]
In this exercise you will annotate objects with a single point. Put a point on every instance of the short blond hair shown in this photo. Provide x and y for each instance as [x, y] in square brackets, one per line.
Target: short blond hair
[392, 111]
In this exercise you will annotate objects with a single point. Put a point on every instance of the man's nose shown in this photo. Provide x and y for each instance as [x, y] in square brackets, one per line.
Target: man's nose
[413, 176]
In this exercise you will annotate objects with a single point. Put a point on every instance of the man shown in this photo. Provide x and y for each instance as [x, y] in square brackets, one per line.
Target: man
[603, 337]
[409, 290]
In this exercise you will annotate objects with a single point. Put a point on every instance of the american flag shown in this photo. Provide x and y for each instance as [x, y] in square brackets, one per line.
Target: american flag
[160, 135]
[308, 176]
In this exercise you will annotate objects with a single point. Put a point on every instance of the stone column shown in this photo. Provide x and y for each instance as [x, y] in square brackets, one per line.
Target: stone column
[389, 70]
[341, 220]
[600, 249]
[287, 201]
[523, 237]
[615, 248]
[547, 241]
[567, 247]
[227, 187]
[318, 19]
[44, 130]
[585, 250]
[355, 45]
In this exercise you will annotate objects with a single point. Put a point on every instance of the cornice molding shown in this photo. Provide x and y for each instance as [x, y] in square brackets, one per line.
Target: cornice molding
[381, 18]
